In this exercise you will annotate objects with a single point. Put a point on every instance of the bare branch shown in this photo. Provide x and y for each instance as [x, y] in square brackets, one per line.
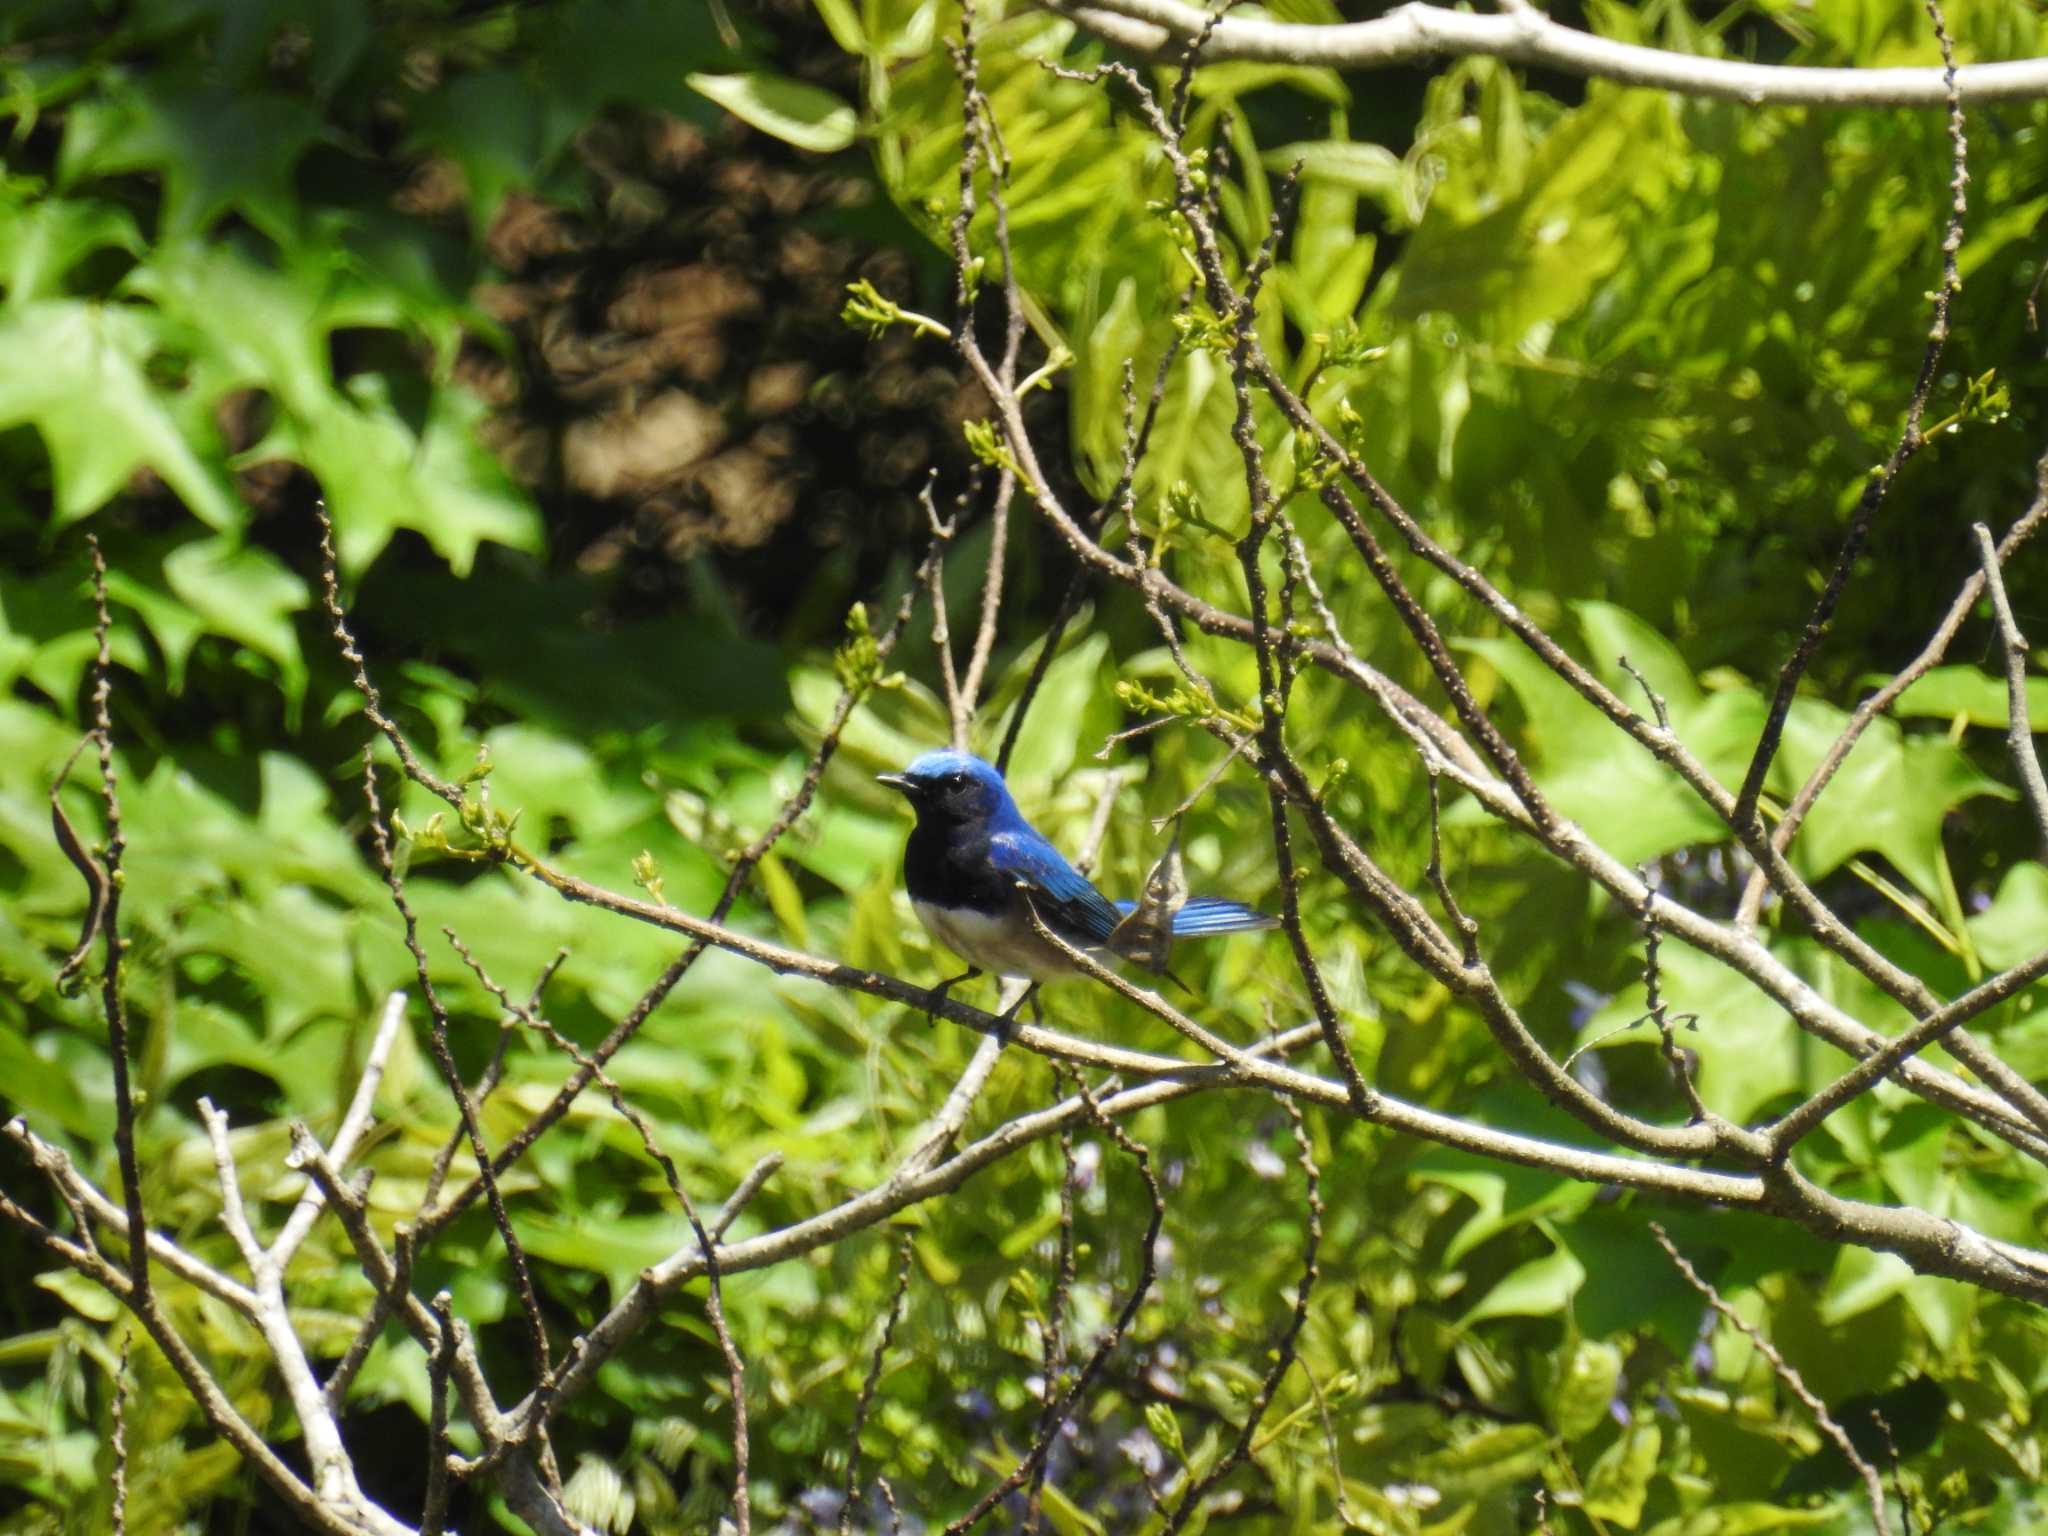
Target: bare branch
[1660, 1010]
[1053, 1325]
[714, 1306]
[743, 867]
[1415, 33]
[334, 1478]
[345, 642]
[392, 1283]
[1917, 1037]
[84, 1199]
[1468, 930]
[1930, 657]
[744, 1191]
[354, 1122]
[441, 1365]
[928, 1146]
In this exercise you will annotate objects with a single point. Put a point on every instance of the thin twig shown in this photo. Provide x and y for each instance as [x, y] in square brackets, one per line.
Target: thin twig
[1909, 443]
[714, 1304]
[873, 1379]
[1053, 1330]
[118, 1517]
[1901, 1047]
[1656, 699]
[1930, 656]
[440, 1367]
[743, 867]
[354, 1122]
[444, 1058]
[1148, 1272]
[959, 710]
[1873, 1486]
[111, 1003]
[2019, 729]
[1660, 1010]
[1468, 930]
[1135, 441]
[1283, 1352]
[345, 642]
[84, 1200]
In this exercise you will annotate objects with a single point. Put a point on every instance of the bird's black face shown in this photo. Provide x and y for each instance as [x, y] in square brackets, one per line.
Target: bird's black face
[945, 794]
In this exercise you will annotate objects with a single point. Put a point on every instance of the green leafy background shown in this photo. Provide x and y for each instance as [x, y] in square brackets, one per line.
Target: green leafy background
[1630, 354]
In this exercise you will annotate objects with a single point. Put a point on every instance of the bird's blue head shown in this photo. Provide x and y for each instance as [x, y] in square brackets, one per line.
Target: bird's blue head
[948, 788]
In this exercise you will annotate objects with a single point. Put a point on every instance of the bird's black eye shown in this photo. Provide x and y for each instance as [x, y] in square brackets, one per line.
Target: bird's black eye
[956, 781]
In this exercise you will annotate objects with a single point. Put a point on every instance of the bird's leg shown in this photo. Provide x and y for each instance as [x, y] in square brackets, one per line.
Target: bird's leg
[1009, 1015]
[936, 998]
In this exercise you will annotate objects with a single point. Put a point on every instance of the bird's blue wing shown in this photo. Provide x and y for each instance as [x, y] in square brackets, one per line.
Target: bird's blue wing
[1067, 903]
[1211, 914]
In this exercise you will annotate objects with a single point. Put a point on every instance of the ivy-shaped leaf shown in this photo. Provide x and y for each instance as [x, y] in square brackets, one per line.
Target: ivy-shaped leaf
[100, 416]
[218, 150]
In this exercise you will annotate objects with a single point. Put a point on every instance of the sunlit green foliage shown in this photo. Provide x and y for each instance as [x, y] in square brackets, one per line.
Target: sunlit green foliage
[1629, 354]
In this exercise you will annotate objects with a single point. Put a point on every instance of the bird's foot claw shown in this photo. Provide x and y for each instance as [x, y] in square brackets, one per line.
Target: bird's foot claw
[935, 999]
[1006, 1020]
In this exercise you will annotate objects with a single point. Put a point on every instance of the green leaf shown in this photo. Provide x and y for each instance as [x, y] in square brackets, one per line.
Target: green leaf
[246, 594]
[292, 947]
[807, 116]
[41, 1089]
[1372, 170]
[1505, 1196]
[843, 22]
[1620, 1479]
[617, 1248]
[1966, 693]
[1165, 1429]
[41, 243]
[218, 150]
[1890, 796]
[785, 900]
[1614, 634]
[1067, 1517]
[92, 401]
[502, 131]
[379, 476]
[2015, 926]
[80, 1294]
[1490, 1459]
[1540, 1288]
[1584, 1388]
[1626, 801]
[1749, 1519]
[1063, 715]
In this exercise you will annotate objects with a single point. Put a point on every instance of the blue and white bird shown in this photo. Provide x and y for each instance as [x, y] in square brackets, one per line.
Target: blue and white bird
[975, 870]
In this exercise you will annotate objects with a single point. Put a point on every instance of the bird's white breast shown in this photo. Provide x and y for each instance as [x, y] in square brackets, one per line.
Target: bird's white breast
[1004, 946]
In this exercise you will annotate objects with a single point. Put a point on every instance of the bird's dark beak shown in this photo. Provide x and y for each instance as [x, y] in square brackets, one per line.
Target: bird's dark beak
[896, 781]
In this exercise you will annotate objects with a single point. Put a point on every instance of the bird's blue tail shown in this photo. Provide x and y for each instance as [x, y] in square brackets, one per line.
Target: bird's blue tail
[1211, 914]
